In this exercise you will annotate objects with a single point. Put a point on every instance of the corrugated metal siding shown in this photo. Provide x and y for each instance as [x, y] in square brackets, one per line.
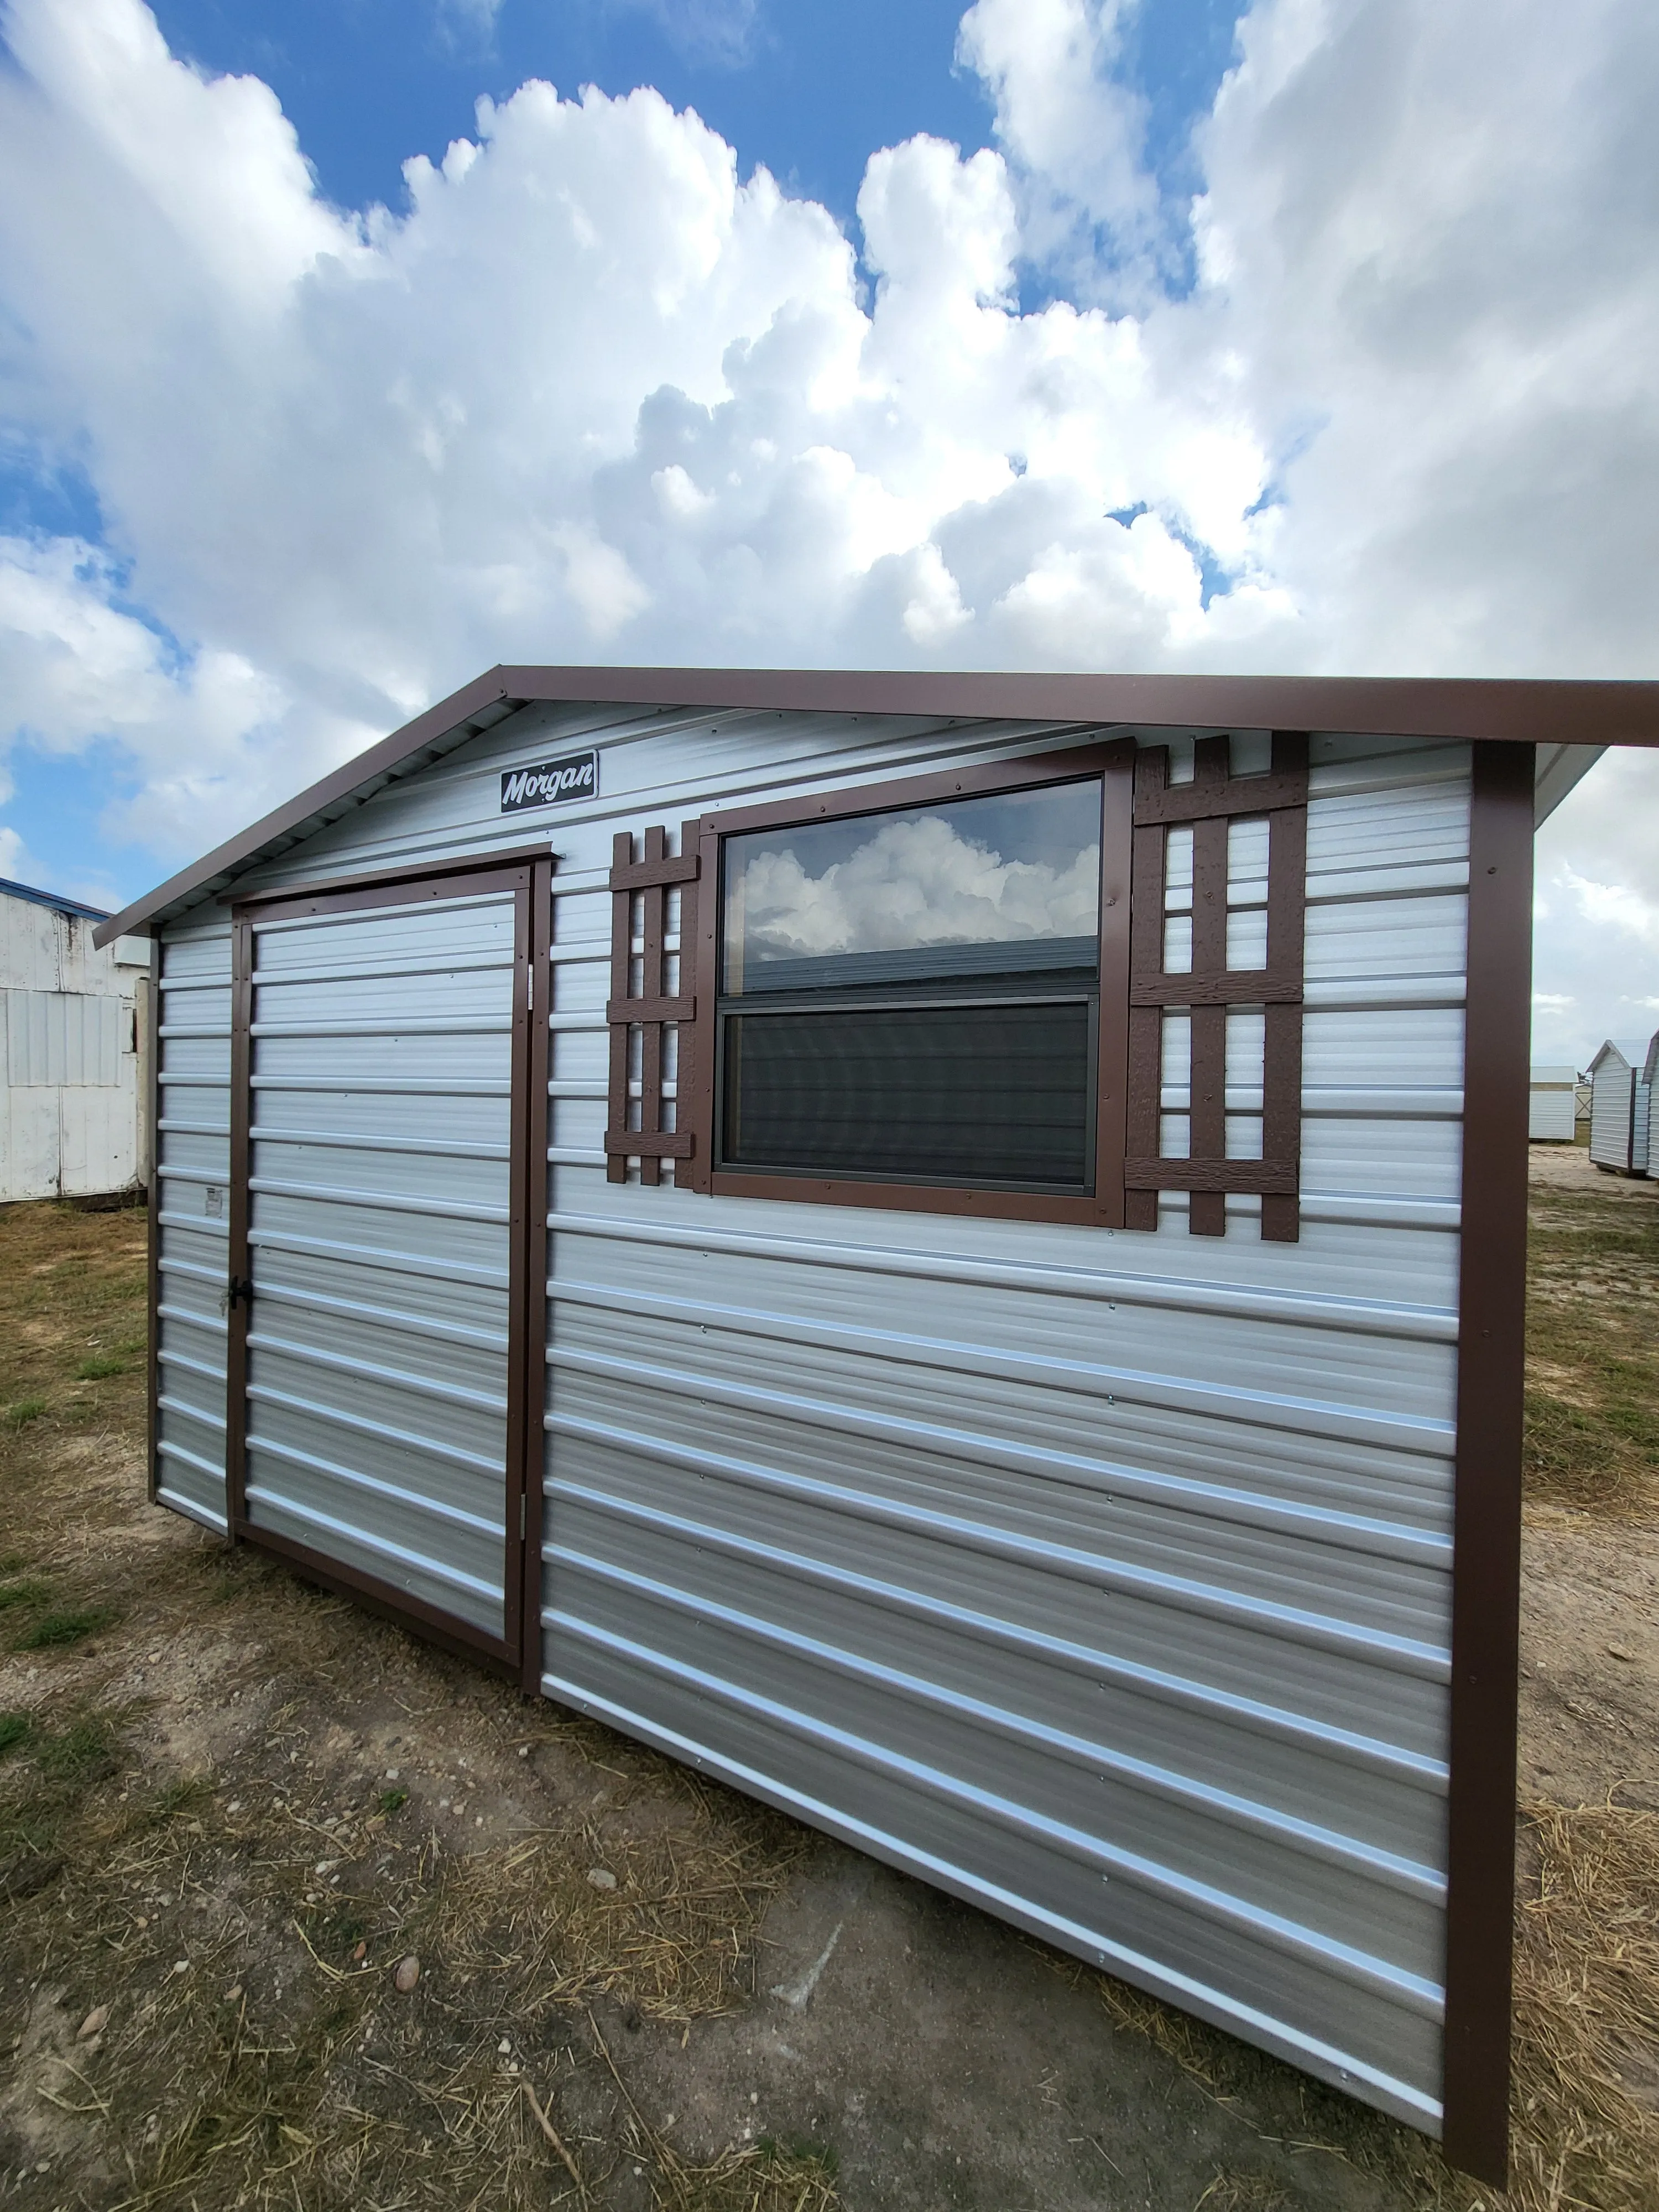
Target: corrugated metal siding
[1613, 1100]
[69, 1087]
[1101, 1579]
[378, 1229]
[1552, 1111]
[1641, 1123]
[193, 1222]
[63, 1037]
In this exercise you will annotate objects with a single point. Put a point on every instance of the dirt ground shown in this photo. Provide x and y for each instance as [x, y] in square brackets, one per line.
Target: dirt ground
[230, 1806]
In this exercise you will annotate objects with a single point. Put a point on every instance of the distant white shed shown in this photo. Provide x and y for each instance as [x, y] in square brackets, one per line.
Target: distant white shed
[1552, 1105]
[1621, 1106]
[74, 1042]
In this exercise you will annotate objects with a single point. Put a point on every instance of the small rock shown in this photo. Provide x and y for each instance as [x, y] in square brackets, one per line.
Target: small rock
[141, 1922]
[504, 2045]
[524, 1751]
[234, 1805]
[94, 2023]
[181, 1965]
[407, 1973]
[361, 1953]
[392, 1774]
[234, 1993]
[1618, 1652]
[602, 1877]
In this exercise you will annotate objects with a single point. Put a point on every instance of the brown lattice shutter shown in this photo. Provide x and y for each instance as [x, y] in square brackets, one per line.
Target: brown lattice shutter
[649, 991]
[1213, 798]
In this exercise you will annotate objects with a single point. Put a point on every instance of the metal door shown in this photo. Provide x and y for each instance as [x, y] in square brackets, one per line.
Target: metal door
[379, 1367]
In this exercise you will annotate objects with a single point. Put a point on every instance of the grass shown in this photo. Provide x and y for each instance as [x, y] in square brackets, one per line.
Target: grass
[100, 1367]
[31, 1591]
[63, 1626]
[1592, 1407]
[14, 1729]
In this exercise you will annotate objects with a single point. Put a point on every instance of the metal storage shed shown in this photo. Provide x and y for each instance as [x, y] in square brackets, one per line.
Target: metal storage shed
[1552, 1105]
[975, 1228]
[1621, 1106]
[74, 1050]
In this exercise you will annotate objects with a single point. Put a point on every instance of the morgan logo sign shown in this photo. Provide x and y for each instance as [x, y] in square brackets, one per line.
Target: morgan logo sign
[576, 776]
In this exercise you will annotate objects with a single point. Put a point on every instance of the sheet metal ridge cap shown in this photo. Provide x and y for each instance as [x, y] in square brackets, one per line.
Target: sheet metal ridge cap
[1433, 1324]
[1411, 1992]
[1419, 1768]
[1221, 1501]
[1324, 1632]
[1325, 2060]
[1412, 1877]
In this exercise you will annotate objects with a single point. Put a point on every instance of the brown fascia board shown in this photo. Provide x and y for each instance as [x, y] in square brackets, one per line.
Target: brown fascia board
[1533, 712]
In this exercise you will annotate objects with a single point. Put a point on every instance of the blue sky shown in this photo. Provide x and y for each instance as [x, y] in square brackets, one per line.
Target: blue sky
[810, 87]
[1121, 334]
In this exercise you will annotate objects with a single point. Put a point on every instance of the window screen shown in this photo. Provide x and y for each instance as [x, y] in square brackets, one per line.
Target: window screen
[912, 995]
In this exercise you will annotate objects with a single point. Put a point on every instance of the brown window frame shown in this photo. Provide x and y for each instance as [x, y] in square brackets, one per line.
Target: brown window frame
[1113, 762]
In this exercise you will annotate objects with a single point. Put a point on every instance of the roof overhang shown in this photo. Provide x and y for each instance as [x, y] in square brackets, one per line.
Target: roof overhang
[1554, 713]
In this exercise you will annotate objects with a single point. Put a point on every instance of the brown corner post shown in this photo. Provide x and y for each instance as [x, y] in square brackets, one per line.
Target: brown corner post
[1487, 1514]
[152, 1164]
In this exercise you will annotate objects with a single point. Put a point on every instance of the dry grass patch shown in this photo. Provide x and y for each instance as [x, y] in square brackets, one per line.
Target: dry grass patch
[1587, 2009]
[1593, 1350]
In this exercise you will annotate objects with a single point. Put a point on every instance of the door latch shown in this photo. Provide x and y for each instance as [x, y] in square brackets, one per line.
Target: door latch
[241, 1288]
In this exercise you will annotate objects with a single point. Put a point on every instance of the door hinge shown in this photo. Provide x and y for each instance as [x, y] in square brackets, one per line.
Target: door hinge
[241, 1288]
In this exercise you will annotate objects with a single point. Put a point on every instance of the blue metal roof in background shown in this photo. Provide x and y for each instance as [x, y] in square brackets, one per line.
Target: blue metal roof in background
[53, 899]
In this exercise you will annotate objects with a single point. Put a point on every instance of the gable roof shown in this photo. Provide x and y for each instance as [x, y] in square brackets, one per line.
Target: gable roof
[1546, 713]
[1630, 1054]
[54, 900]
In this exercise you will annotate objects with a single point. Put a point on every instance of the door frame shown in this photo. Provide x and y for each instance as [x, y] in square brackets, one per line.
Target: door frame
[528, 876]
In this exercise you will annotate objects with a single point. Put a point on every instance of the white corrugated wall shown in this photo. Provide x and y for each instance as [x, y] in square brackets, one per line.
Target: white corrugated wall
[1613, 1100]
[1103, 1578]
[70, 1077]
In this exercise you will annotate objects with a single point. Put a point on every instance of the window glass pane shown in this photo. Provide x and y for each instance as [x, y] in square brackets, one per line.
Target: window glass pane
[1000, 886]
[941, 1093]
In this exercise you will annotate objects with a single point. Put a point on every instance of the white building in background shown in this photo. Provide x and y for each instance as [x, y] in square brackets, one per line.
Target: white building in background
[1552, 1105]
[74, 1051]
[1621, 1105]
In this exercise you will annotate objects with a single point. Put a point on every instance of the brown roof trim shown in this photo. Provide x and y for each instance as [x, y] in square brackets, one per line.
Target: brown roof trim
[1531, 712]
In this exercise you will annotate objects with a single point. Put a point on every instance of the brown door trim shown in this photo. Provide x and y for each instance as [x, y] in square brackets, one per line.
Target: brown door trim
[1487, 1510]
[457, 879]
[531, 1304]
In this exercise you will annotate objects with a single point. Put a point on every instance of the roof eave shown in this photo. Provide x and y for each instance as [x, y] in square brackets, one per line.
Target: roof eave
[1532, 712]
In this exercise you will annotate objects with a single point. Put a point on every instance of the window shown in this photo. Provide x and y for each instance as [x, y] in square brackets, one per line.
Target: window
[914, 993]
[897, 993]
